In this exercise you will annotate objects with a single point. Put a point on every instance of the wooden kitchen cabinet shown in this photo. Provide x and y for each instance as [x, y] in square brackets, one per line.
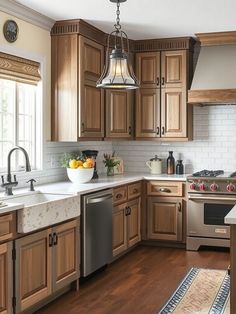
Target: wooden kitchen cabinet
[7, 226]
[119, 114]
[164, 219]
[134, 222]
[148, 113]
[119, 229]
[45, 262]
[161, 103]
[77, 63]
[126, 217]
[165, 211]
[33, 269]
[6, 280]
[148, 69]
[173, 68]
[66, 257]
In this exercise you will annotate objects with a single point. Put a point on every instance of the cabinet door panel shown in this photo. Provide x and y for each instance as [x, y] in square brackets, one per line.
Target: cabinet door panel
[164, 219]
[119, 230]
[119, 122]
[148, 113]
[174, 113]
[133, 222]
[91, 59]
[33, 269]
[6, 280]
[64, 88]
[173, 68]
[66, 254]
[92, 111]
[148, 69]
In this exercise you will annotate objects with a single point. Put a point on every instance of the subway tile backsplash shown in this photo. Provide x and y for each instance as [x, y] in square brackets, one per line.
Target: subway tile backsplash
[213, 147]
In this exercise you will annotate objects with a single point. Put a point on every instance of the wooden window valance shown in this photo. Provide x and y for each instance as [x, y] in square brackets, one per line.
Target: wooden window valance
[19, 69]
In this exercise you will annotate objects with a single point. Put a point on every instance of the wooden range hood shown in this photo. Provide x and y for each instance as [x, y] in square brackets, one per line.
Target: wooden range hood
[214, 80]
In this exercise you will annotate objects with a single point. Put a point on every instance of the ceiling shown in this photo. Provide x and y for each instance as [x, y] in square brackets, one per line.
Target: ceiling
[146, 19]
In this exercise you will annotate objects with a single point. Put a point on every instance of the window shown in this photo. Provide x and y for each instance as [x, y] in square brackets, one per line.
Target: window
[20, 122]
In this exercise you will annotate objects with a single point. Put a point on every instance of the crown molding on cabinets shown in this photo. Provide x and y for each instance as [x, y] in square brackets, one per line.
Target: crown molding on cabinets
[24, 13]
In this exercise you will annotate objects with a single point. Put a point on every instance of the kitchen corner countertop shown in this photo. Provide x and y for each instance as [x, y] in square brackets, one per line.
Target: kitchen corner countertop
[104, 182]
[231, 217]
[7, 207]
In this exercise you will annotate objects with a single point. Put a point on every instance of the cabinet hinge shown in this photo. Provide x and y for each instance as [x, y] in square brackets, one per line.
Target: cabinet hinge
[14, 254]
[14, 302]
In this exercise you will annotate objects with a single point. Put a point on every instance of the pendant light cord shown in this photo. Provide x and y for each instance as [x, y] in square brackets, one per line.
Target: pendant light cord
[117, 25]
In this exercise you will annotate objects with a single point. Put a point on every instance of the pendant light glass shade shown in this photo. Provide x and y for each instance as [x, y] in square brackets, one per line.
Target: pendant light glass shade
[118, 72]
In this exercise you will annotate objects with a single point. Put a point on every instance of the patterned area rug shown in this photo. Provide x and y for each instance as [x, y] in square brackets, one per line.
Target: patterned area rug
[202, 291]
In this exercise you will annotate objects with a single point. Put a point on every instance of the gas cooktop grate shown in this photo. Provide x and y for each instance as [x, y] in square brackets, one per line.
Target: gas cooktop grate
[208, 173]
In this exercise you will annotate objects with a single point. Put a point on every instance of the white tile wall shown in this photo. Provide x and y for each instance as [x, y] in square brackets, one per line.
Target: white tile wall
[213, 147]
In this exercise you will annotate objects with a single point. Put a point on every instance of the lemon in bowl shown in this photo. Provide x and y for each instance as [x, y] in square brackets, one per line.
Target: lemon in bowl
[79, 171]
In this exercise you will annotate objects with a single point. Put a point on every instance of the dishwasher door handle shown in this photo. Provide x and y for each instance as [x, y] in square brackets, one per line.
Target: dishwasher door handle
[99, 199]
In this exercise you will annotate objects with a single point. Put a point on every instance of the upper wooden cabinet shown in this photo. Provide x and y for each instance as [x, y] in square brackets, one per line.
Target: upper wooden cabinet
[148, 69]
[148, 113]
[173, 68]
[162, 112]
[119, 114]
[77, 105]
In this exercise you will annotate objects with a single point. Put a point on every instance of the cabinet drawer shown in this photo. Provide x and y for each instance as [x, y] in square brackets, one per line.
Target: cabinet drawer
[120, 194]
[134, 190]
[7, 227]
[165, 188]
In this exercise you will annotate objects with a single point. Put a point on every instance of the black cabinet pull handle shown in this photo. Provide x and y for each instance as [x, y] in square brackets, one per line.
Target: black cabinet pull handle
[50, 240]
[55, 238]
[162, 81]
[179, 207]
[129, 212]
[82, 127]
[163, 130]
[130, 130]
[158, 130]
[126, 211]
[158, 81]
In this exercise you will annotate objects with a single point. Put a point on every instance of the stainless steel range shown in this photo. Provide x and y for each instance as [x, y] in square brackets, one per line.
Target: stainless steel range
[211, 195]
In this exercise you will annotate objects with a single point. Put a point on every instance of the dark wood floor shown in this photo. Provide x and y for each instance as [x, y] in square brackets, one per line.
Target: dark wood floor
[139, 282]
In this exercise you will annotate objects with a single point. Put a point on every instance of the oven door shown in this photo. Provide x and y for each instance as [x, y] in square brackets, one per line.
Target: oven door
[205, 216]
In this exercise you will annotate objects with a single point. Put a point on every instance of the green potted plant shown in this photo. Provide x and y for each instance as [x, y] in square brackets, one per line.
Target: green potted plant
[110, 163]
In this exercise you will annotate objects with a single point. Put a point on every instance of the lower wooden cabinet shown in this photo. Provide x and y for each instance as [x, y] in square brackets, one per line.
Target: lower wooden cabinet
[126, 225]
[6, 280]
[45, 262]
[164, 218]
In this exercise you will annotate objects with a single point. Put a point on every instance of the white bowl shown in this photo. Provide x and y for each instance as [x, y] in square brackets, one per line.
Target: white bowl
[80, 175]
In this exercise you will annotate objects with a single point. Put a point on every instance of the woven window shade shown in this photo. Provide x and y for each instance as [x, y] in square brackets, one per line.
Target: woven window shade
[19, 69]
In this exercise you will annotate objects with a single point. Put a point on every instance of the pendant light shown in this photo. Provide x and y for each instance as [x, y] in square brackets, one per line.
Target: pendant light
[118, 72]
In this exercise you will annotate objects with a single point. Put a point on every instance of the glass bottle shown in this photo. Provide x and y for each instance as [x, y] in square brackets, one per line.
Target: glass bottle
[170, 163]
[179, 167]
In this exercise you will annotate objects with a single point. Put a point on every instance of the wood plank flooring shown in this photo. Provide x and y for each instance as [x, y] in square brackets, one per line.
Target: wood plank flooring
[140, 282]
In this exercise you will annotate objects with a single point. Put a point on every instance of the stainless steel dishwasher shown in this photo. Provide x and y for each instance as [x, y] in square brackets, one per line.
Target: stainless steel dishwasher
[96, 231]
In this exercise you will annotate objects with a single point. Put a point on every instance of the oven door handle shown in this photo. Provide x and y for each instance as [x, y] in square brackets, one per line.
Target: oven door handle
[209, 198]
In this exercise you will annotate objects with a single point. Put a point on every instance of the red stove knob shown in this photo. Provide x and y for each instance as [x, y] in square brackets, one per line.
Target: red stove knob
[230, 187]
[193, 186]
[202, 187]
[214, 187]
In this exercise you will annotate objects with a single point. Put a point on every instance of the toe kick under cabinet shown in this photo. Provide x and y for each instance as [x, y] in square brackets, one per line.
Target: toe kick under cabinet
[166, 208]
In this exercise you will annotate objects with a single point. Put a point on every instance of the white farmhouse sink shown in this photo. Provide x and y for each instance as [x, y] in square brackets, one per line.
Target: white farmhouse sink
[44, 209]
[35, 198]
